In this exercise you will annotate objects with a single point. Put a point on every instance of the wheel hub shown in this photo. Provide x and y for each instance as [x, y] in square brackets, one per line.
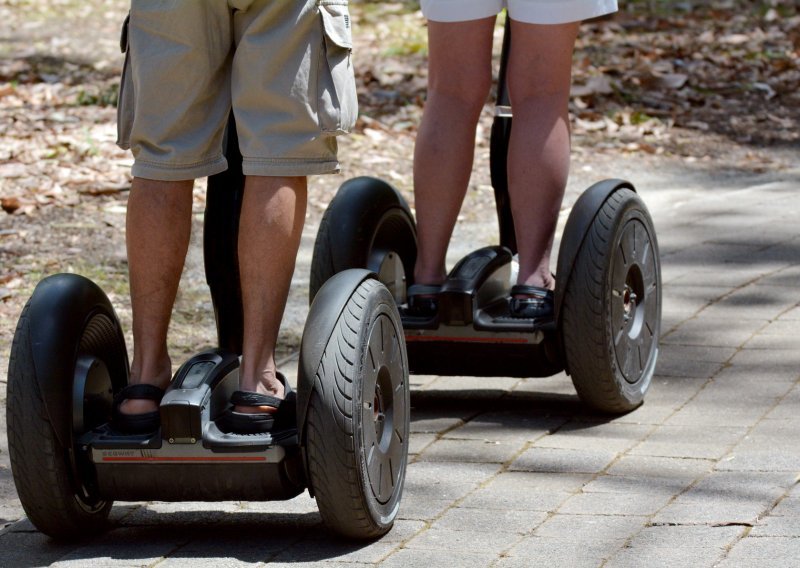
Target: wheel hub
[384, 433]
[634, 305]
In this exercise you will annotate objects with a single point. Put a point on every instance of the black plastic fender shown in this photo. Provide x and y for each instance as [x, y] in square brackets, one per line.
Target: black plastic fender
[322, 317]
[580, 219]
[60, 308]
[355, 223]
[357, 196]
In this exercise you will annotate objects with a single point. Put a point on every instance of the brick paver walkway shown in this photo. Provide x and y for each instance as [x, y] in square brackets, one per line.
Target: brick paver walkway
[509, 473]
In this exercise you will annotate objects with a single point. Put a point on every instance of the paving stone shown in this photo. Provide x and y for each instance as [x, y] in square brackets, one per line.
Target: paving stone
[473, 387]
[744, 405]
[429, 423]
[783, 327]
[689, 442]
[568, 550]
[676, 557]
[417, 382]
[711, 512]
[675, 353]
[690, 368]
[300, 506]
[669, 546]
[513, 499]
[786, 409]
[666, 395]
[313, 564]
[773, 445]
[332, 549]
[629, 504]
[733, 276]
[648, 466]
[677, 536]
[506, 427]
[613, 436]
[715, 332]
[689, 298]
[778, 527]
[479, 451]
[788, 507]
[777, 364]
[763, 488]
[539, 481]
[490, 521]
[760, 552]
[422, 509]
[114, 548]
[469, 541]
[793, 314]
[239, 545]
[788, 276]
[418, 441]
[754, 302]
[589, 527]
[559, 384]
[762, 340]
[425, 558]
[628, 484]
[25, 548]
[775, 378]
[439, 479]
[563, 461]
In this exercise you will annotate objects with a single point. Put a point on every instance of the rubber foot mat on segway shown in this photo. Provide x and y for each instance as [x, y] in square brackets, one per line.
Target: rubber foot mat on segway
[219, 441]
[497, 317]
[105, 437]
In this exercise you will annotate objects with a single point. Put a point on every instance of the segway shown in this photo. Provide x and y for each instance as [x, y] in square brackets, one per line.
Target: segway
[605, 330]
[348, 448]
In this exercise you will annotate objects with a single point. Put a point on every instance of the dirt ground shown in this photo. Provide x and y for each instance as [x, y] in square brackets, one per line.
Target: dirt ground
[63, 182]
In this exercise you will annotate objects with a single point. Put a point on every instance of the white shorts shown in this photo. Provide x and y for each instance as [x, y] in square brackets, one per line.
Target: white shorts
[528, 11]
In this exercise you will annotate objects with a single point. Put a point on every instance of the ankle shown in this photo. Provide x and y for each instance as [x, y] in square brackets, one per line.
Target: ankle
[266, 383]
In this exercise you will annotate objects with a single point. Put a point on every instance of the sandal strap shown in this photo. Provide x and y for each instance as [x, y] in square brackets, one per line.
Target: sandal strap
[140, 391]
[535, 292]
[247, 398]
[424, 289]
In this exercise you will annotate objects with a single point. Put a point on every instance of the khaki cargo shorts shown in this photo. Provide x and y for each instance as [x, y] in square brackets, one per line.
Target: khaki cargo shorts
[283, 66]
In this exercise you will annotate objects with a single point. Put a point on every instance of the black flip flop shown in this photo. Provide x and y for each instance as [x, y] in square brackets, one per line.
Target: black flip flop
[531, 302]
[283, 417]
[423, 299]
[143, 423]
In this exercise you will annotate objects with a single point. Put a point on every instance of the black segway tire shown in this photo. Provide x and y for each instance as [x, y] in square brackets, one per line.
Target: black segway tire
[611, 312]
[358, 417]
[367, 225]
[55, 487]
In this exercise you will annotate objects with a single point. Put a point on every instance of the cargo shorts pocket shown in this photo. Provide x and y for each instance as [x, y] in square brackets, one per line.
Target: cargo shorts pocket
[338, 101]
[125, 99]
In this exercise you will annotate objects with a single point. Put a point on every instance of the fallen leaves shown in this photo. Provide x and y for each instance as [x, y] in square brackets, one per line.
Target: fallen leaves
[725, 67]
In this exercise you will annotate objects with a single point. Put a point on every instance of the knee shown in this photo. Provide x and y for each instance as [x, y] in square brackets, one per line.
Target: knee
[464, 93]
[538, 95]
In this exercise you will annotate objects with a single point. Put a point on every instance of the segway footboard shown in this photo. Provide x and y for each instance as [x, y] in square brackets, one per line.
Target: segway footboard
[473, 333]
[190, 458]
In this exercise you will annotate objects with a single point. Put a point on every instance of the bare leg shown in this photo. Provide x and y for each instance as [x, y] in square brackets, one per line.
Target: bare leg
[159, 224]
[459, 79]
[273, 214]
[540, 68]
